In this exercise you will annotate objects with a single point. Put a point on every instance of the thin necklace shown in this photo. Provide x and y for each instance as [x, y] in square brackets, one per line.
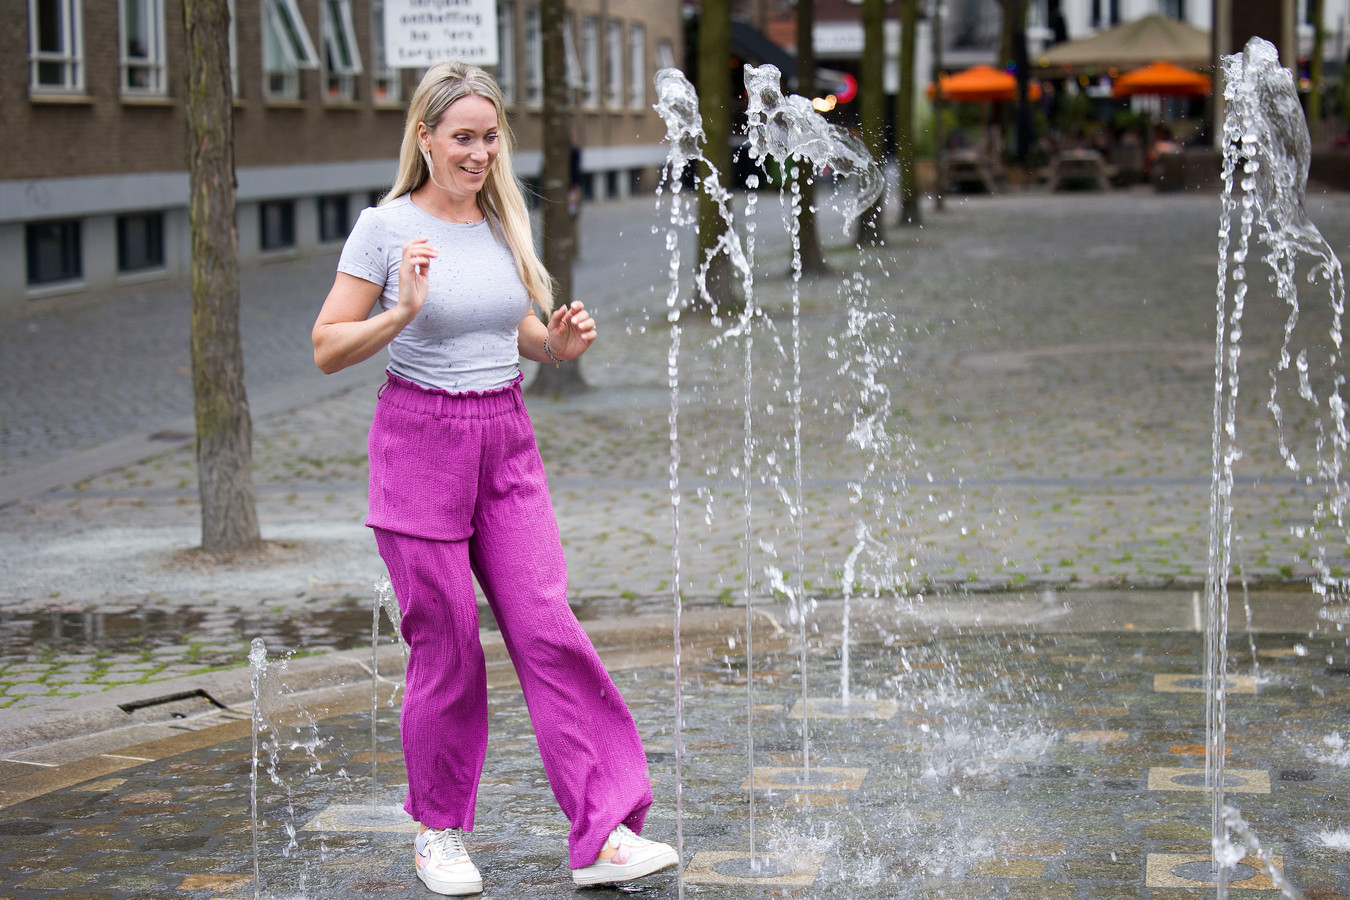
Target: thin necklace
[472, 220]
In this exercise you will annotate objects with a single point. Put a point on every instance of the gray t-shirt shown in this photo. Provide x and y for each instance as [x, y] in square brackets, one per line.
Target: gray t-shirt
[464, 338]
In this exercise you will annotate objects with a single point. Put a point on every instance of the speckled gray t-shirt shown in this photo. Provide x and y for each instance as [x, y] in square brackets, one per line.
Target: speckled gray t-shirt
[464, 338]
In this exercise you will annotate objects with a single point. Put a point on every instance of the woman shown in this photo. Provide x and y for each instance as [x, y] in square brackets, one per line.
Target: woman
[457, 488]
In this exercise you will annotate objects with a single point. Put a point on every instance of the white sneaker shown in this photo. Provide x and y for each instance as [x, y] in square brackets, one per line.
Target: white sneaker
[444, 865]
[626, 856]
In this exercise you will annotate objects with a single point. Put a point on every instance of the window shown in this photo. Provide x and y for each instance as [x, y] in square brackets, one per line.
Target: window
[385, 83]
[534, 58]
[637, 66]
[333, 222]
[506, 50]
[613, 64]
[573, 61]
[140, 242]
[286, 49]
[234, 52]
[55, 54]
[142, 47]
[276, 224]
[590, 61]
[341, 59]
[53, 250]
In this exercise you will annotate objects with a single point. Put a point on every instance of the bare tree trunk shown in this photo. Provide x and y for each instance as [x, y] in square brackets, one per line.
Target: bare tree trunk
[1015, 49]
[559, 238]
[1316, 14]
[224, 430]
[812, 259]
[904, 115]
[872, 111]
[714, 91]
[939, 128]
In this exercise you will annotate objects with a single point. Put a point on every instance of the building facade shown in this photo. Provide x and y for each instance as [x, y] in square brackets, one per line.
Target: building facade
[93, 161]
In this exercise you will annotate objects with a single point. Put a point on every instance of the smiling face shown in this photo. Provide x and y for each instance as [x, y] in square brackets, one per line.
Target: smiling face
[463, 145]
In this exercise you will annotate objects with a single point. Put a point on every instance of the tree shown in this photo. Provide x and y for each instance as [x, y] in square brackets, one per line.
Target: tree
[559, 239]
[1014, 50]
[224, 429]
[714, 91]
[939, 137]
[812, 260]
[1315, 18]
[904, 115]
[872, 110]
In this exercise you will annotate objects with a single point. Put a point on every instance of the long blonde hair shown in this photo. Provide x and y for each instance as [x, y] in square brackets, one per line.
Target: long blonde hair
[501, 197]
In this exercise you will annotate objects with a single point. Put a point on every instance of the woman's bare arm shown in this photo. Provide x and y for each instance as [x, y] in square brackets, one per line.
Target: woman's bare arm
[345, 333]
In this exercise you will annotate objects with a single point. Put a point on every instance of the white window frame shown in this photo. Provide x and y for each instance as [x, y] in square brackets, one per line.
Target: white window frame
[234, 50]
[574, 82]
[386, 84]
[614, 62]
[506, 50]
[287, 49]
[341, 56]
[151, 63]
[534, 58]
[69, 56]
[590, 61]
[637, 65]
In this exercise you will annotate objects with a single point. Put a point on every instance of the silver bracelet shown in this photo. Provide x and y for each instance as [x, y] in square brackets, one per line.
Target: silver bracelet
[548, 352]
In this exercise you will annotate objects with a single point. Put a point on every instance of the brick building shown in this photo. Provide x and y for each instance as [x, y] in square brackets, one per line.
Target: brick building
[93, 166]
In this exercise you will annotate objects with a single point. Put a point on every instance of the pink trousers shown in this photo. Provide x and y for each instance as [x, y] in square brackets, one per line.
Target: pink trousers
[457, 489]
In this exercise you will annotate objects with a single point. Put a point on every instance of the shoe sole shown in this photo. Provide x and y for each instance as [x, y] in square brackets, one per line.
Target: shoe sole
[451, 889]
[627, 873]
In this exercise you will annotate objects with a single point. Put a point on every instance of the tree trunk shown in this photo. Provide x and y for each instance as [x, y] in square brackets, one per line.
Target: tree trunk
[939, 128]
[1315, 18]
[224, 430]
[559, 238]
[872, 111]
[812, 259]
[1015, 50]
[714, 91]
[904, 115]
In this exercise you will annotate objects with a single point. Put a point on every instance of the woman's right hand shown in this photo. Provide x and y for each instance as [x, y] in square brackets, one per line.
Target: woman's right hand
[414, 276]
[345, 332]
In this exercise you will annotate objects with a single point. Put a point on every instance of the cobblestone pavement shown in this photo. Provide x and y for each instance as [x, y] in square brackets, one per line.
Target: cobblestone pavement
[1006, 761]
[1004, 412]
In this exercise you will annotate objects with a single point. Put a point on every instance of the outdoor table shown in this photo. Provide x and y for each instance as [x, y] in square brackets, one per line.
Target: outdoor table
[970, 167]
[1079, 165]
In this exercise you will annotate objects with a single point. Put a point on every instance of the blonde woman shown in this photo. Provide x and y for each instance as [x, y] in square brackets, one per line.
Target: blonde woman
[457, 488]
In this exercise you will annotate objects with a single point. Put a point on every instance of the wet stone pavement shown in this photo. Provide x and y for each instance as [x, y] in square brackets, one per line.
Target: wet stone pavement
[1001, 764]
[1024, 718]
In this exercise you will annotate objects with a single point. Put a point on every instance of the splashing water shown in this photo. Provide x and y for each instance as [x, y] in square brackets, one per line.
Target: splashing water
[278, 725]
[1266, 140]
[678, 106]
[780, 128]
[785, 127]
[385, 602]
[1230, 854]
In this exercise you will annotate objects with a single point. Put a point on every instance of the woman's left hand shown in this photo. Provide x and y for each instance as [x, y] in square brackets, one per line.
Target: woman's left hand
[571, 331]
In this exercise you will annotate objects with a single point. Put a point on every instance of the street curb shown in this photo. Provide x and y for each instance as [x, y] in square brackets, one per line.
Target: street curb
[23, 729]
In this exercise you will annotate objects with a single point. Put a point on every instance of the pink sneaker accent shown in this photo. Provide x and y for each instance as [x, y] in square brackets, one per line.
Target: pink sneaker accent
[633, 857]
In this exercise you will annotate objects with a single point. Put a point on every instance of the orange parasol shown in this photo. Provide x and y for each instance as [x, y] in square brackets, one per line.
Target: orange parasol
[979, 83]
[1164, 80]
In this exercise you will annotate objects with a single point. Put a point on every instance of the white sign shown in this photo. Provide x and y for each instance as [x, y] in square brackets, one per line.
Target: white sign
[420, 33]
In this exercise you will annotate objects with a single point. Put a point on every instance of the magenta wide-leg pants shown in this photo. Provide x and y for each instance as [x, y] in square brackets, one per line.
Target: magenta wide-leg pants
[457, 487]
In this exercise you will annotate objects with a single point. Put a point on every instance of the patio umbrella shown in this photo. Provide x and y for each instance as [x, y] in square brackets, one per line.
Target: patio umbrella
[981, 83]
[1164, 80]
[1131, 45]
